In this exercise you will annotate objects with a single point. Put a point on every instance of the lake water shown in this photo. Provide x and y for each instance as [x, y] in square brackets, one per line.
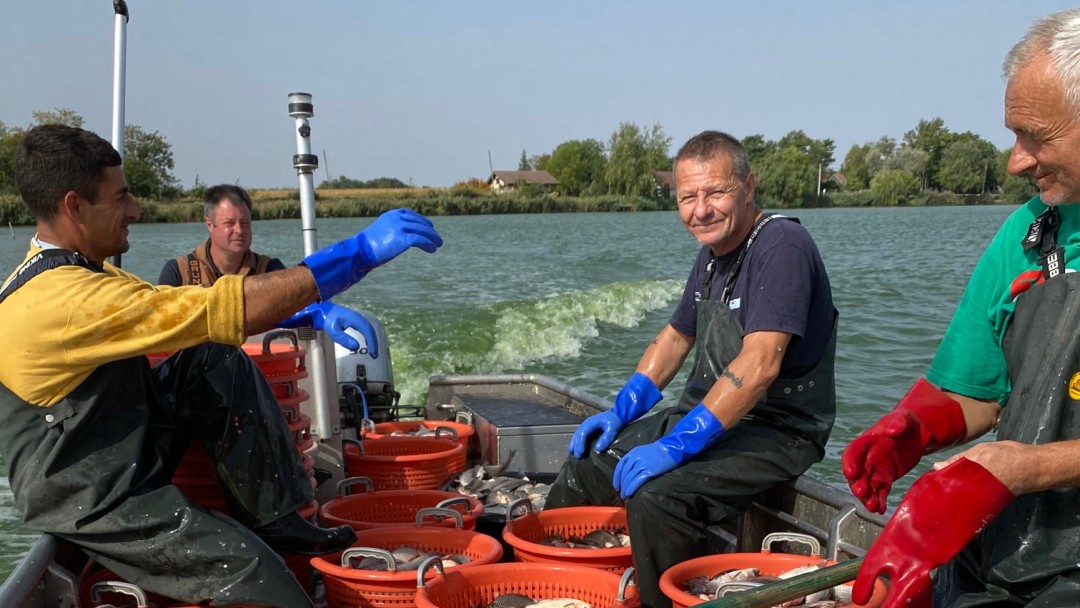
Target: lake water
[578, 297]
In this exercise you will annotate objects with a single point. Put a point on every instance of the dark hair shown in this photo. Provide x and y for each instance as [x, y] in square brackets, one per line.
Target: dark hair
[707, 145]
[213, 195]
[55, 159]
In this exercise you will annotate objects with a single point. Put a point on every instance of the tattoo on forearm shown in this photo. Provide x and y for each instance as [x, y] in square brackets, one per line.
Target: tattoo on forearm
[737, 381]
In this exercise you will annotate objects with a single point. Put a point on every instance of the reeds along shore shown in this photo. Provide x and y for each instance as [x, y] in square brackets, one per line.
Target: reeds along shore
[285, 203]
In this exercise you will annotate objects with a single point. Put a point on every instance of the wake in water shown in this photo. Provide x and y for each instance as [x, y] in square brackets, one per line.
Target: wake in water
[509, 337]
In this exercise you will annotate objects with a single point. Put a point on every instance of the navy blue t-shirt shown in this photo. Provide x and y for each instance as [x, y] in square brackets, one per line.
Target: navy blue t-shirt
[782, 287]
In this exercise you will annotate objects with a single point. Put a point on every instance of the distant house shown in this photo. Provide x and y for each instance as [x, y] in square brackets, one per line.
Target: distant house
[505, 181]
[664, 182]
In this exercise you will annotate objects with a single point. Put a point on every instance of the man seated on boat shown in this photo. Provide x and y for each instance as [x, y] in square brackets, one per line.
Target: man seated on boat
[1000, 519]
[92, 434]
[760, 401]
[227, 213]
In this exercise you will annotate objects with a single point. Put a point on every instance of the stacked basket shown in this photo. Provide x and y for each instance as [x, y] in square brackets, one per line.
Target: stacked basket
[526, 533]
[349, 587]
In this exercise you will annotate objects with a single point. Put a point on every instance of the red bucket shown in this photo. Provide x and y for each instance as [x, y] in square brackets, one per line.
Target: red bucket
[347, 587]
[404, 463]
[526, 532]
[767, 562]
[473, 587]
[390, 508]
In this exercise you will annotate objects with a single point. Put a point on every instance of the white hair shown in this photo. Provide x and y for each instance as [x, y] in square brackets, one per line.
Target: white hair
[1058, 36]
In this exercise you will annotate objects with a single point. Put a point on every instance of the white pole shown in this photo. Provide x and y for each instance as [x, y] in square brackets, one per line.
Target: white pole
[119, 70]
[119, 92]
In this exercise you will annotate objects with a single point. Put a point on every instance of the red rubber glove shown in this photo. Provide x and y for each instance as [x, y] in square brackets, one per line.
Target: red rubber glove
[941, 513]
[926, 420]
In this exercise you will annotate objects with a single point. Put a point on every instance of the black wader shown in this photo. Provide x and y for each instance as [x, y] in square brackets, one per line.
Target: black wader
[1030, 554]
[780, 438]
[96, 469]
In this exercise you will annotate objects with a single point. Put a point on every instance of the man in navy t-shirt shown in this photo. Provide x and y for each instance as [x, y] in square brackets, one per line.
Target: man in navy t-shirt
[760, 400]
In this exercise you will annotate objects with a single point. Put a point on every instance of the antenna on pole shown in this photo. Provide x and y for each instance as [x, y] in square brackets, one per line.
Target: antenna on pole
[119, 70]
[491, 169]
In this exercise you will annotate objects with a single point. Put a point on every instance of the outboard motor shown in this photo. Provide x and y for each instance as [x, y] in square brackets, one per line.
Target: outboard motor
[365, 383]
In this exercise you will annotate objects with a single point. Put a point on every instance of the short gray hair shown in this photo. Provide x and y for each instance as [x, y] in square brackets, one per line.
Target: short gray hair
[1058, 36]
[707, 145]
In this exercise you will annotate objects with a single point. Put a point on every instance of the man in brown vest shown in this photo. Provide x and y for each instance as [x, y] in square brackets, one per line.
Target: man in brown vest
[228, 250]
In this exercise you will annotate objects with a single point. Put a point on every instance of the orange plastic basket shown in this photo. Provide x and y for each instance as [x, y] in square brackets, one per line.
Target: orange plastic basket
[397, 508]
[276, 359]
[384, 429]
[767, 562]
[479, 586]
[524, 534]
[347, 587]
[404, 463]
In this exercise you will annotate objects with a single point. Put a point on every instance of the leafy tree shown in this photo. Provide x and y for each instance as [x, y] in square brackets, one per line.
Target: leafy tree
[523, 164]
[577, 165]
[931, 137]
[909, 159]
[877, 153]
[635, 153]
[758, 150]
[9, 144]
[965, 165]
[891, 186]
[342, 182]
[148, 164]
[539, 161]
[856, 173]
[789, 178]
[820, 151]
[58, 116]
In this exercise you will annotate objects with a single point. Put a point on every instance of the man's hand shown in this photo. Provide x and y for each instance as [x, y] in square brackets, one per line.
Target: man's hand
[941, 513]
[635, 398]
[341, 265]
[334, 320]
[694, 433]
[925, 420]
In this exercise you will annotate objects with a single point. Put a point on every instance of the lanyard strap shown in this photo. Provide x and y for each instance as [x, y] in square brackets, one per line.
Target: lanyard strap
[46, 260]
[733, 274]
[1043, 233]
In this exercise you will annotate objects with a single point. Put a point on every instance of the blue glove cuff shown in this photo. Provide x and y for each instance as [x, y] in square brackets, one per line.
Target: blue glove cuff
[637, 396]
[693, 434]
[338, 266]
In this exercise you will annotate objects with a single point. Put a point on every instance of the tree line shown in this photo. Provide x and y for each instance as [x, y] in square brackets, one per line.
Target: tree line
[793, 171]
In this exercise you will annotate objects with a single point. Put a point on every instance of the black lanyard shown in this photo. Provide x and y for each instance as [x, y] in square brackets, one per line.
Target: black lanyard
[46, 260]
[1043, 233]
[729, 284]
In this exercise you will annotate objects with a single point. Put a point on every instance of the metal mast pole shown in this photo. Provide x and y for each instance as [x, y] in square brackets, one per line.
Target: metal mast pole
[300, 110]
[119, 92]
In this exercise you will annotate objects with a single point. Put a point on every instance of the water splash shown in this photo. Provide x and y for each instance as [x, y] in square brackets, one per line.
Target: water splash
[508, 337]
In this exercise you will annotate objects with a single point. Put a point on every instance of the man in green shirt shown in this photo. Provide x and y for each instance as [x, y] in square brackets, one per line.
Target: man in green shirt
[999, 520]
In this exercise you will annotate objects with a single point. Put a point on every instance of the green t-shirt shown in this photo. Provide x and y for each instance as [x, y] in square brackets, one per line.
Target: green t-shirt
[970, 360]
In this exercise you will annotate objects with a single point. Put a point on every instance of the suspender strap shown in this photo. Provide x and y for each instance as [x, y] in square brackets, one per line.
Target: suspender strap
[46, 260]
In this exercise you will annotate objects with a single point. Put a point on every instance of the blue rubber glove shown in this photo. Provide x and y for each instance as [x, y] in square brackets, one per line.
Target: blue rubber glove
[334, 320]
[694, 433]
[341, 265]
[637, 396]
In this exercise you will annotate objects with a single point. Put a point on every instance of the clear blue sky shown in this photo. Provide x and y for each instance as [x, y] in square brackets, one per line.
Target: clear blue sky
[423, 91]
